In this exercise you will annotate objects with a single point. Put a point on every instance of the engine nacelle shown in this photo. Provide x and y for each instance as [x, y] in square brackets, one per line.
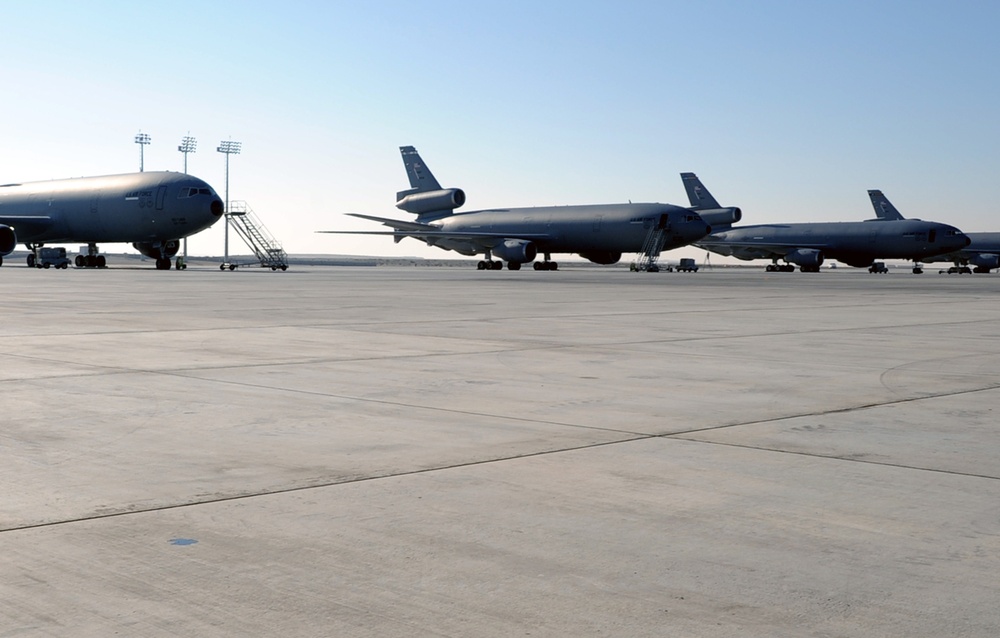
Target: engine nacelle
[8, 240]
[806, 257]
[719, 217]
[983, 260]
[158, 250]
[430, 201]
[520, 251]
[603, 258]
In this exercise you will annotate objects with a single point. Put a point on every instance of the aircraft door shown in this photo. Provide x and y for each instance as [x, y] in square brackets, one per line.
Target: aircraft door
[161, 193]
[597, 223]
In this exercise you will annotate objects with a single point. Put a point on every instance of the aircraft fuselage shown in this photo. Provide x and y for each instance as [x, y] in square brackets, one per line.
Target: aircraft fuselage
[145, 207]
[588, 229]
[853, 243]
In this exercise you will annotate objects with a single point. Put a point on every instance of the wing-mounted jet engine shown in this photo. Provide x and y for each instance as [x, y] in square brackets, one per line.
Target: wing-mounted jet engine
[808, 259]
[8, 241]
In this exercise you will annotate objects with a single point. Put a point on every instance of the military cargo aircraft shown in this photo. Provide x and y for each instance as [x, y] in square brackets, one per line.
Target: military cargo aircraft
[600, 233]
[151, 210]
[983, 251]
[809, 244]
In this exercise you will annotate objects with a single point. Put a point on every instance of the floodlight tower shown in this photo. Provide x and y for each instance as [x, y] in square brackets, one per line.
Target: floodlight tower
[142, 139]
[228, 147]
[188, 145]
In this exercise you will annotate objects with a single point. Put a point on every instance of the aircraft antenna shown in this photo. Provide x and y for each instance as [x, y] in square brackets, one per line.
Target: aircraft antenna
[142, 139]
[228, 147]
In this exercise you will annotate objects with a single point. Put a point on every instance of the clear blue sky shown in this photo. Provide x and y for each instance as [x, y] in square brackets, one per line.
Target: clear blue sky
[791, 110]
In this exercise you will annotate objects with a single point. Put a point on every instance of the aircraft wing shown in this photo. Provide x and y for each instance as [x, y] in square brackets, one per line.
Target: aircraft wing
[431, 232]
[32, 224]
[753, 250]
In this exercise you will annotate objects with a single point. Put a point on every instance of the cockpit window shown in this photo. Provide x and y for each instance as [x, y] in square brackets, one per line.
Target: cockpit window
[191, 192]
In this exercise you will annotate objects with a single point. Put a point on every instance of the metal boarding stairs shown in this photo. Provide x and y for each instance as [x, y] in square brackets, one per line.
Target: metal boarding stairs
[266, 248]
[652, 246]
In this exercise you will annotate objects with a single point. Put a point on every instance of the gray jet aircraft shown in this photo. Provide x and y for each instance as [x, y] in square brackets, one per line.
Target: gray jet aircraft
[809, 244]
[150, 210]
[600, 233]
[983, 251]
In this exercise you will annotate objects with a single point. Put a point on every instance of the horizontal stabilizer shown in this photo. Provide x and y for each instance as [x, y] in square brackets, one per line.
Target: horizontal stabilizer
[394, 223]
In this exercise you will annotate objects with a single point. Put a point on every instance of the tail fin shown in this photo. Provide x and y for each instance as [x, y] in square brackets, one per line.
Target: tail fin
[883, 207]
[421, 178]
[708, 208]
[698, 195]
[425, 198]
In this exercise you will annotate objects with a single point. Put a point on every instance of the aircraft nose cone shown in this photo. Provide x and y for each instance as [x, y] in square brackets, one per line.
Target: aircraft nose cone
[217, 207]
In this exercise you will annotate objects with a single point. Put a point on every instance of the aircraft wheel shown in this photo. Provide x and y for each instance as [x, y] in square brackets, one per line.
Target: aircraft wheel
[553, 265]
[46, 265]
[481, 265]
[232, 266]
[31, 261]
[101, 261]
[284, 268]
[513, 265]
[538, 266]
[497, 265]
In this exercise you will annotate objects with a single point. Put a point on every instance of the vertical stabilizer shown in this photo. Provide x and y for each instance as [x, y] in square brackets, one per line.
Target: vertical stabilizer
[883, 207]
[698, 195]
[421, 178]
[708, 208]
[425, 198]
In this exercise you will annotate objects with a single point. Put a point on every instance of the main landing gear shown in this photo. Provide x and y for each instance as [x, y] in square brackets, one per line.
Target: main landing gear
[490, 264]
[548, 264]
[776, 267]
[93, 258]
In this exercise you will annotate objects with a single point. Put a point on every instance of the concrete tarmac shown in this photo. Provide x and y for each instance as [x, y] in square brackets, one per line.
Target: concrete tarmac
[447, 452]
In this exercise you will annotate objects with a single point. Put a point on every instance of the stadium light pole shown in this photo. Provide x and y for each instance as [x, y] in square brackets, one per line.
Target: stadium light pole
[142, 139]
[228, 147]
[188, 145]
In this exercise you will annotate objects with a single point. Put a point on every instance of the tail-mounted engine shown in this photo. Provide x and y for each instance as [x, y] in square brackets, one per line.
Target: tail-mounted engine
[446, 199]
[719, 217]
